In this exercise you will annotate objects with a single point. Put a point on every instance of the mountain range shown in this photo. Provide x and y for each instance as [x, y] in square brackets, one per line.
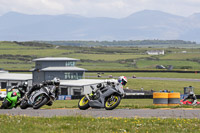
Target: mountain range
[146, 24]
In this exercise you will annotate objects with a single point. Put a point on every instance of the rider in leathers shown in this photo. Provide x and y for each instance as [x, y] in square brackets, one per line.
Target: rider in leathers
[122, 80]
[55, 82]
[192, 96]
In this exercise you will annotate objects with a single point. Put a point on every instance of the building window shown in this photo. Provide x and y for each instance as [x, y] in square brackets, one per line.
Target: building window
[14, 84]
[3, 85]
[70, 63]
[50, 77]
[73, 75]
[64, 91]
[77, 92]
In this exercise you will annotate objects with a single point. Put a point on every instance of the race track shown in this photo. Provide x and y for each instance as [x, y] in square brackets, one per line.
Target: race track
[126, 113]
[155, 78]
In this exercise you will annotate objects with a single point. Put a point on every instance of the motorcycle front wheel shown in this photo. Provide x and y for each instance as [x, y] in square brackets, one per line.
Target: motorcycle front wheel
[83, 103]
[40, 101]
[112, 102]
[5, 105]
[24, 104]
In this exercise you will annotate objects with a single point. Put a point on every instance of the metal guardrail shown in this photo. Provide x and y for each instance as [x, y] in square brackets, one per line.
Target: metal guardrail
[126, 97]
[131, 97]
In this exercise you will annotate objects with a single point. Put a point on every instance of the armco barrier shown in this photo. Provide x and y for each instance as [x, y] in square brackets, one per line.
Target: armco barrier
[126, 97]
[138, 97]
[130, 97]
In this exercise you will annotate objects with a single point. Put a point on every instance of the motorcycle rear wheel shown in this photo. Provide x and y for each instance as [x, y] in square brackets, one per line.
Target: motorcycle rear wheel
[42, 102]
[5, 105]
[112, 102]
[83, 104]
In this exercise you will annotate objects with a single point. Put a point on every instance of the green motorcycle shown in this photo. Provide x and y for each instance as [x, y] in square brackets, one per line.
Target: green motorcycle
[11, 100]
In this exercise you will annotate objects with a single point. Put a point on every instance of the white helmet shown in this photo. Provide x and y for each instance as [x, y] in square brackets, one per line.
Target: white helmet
[191, 93]
[123, 80]
[56, 81]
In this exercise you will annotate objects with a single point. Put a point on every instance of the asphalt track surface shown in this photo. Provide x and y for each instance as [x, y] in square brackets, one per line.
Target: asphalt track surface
[157, 78]
[124, 113]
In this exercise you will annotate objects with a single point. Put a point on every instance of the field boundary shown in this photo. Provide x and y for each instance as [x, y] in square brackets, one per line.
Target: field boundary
[119, 71]
[130, 97]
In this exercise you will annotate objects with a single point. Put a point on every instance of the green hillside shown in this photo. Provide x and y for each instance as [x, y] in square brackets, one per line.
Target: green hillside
[19, 56]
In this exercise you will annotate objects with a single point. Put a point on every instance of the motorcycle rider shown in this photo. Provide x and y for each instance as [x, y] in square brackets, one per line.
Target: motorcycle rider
[122, 80]
[192, 96]
[23, 88]
[55, 81]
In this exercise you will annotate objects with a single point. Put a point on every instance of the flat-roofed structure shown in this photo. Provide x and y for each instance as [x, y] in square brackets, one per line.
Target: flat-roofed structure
[78, 87]
[61, 67]
[72, 77]
[12, 79]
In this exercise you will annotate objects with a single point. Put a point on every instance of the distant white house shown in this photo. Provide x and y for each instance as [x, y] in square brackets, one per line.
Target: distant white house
[156, 52]
[183, 52]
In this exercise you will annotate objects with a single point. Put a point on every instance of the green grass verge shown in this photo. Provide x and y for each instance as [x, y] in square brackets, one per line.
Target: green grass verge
[78, 124]
[125, 103]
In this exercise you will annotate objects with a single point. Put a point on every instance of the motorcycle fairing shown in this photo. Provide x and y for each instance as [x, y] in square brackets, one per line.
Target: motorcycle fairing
[100, 102]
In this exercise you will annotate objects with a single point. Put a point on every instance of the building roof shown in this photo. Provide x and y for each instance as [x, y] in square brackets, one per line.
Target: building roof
[152, 51]
[56, 59]
[80, 82]
[63, 69]
[2, 71]
[15, 76]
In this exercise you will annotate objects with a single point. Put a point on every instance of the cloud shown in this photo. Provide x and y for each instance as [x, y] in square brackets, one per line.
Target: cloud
[97, 8]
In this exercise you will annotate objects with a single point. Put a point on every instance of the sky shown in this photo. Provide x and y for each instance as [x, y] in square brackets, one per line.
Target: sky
[99, 8]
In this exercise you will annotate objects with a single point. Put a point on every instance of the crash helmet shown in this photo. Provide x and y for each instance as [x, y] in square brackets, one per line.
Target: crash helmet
[23, 87]
[123, 80]
[14, 94]
[25, 84]
[191, 93]
[56, 81]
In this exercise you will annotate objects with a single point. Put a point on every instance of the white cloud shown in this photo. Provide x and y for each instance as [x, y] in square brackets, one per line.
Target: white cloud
[96, 8]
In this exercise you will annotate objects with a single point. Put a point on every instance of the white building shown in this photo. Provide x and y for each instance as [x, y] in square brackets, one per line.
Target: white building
[156, 52]
[78, 87]
[72, 77]
[11, 79]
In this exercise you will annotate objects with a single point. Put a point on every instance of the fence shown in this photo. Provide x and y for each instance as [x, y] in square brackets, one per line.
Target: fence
[134, 97]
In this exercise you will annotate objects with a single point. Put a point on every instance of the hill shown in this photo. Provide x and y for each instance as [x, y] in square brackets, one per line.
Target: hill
[147, 24]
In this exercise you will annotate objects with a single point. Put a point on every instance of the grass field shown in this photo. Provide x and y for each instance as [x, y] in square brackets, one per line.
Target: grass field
[149, 74]
[16, 56]
[157, 85]
[125, 103]
[78, 124]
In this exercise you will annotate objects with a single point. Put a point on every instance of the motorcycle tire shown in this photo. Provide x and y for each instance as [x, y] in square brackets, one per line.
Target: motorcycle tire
[82, 104]
[110, 105]
[24, 105]
[5, 105]
[43, 102]
[50, 103]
